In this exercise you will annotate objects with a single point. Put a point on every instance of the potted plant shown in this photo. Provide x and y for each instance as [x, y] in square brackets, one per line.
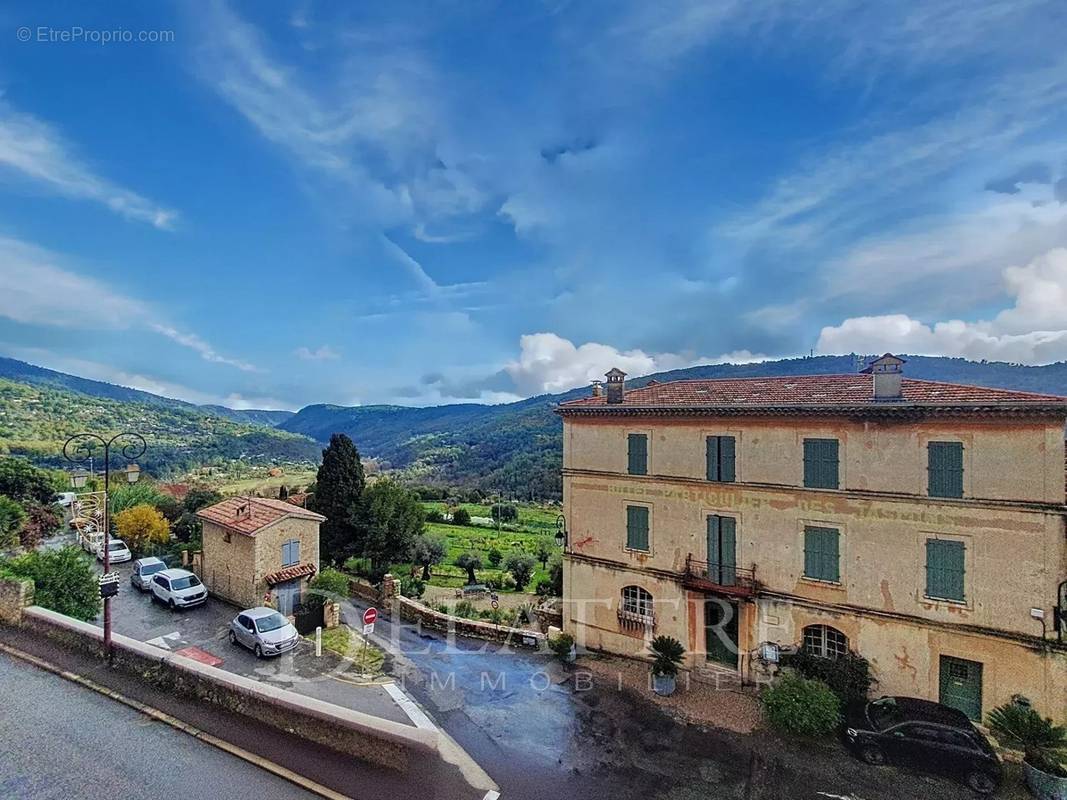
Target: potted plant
[1044, 746]
[667, 653]
[563, 647]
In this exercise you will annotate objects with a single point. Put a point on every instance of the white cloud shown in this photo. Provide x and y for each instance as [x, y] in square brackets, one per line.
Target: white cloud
[550, 363]
[34, 151]
[323, 353]
[1032, 331]
[37, 288]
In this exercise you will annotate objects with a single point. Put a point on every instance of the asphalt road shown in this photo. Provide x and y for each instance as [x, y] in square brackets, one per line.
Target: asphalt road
[59, 740]
[206, 627]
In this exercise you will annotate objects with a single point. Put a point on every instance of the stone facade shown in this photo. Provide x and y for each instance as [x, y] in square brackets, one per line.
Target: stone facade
[15, 595]
[1011, 521]
[235, 565]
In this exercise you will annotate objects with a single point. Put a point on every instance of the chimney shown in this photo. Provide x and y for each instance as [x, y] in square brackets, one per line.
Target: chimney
[887, 372]
[242, 511]
[616, 388]
[597, 390]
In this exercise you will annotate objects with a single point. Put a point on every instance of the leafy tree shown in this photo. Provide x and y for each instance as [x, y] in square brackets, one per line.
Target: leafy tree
[64, 581]
[494, 557]
[469, 562]
[428, 550]
[545, 548]
[338, 488]
[412, 587]
[330, 584]
[142, 526]
[521, 567]
[388, 521]
[12, 520]
[555, 575]
[128, 495]
[461, 516]
[283, 492]
[434, 515]
[200, 497]
[22, 481]
[41, 521]
[504, 512]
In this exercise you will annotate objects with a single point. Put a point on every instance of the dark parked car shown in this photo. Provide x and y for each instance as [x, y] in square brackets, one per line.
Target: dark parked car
[925, 735]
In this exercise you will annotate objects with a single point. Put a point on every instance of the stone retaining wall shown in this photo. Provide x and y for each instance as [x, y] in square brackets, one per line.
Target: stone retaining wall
[363, 736]
[414, 611]
[15, 595]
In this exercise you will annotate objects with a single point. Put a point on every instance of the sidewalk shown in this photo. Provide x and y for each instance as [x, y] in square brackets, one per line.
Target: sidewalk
[338, 772]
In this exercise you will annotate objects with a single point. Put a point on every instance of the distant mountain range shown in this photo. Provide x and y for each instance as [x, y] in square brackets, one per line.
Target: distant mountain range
[513, 448]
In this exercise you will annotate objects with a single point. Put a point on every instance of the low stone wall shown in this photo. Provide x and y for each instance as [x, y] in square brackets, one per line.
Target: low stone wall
[414, 611]
[15, 595]
[360, 735]
[364, 591]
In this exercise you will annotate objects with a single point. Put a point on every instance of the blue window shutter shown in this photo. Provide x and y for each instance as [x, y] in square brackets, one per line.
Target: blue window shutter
[945, 469]
[727, 458]
[285, 554]
[637, 454]
[637, 527]
[295, 551]
[712, 456]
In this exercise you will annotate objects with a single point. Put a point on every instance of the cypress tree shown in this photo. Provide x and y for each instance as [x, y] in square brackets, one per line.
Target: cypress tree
[338, 489]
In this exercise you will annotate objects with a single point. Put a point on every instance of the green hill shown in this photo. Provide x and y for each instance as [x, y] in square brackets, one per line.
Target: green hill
[35, 420]
[516, 448]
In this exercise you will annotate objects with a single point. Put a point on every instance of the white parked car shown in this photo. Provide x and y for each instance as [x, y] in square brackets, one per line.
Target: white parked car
[178, 588]
[117, 551]
[263, 631]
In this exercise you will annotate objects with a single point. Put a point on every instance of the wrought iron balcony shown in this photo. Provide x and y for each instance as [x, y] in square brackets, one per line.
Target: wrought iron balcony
[720, 578]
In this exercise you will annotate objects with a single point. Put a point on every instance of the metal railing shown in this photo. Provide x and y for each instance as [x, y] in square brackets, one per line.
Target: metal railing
[727, 578]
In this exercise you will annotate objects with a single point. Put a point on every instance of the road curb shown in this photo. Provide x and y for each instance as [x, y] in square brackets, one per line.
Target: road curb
[177, 724]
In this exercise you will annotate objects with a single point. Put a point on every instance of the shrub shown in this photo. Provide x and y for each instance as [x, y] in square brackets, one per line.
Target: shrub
[524, 614]
[142, 527]
[434, 515]
[494, 557]
[412, 587]
[12, 521]
[508, 584]
[562, 646]
[555, 574]
[849, 676]
[800, 705]
[330, 584]
[441, 608]
[64, 581]
[667, 653]
[544, 587]
[41, 522]
[1044, 744]
[461, 516]
[504, 512]
[466, 609]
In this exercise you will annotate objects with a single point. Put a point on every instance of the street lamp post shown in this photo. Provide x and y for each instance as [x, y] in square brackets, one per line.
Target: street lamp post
[561, 531]
[82, 452]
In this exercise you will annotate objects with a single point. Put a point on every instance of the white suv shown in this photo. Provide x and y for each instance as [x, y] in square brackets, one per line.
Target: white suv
[178, 588]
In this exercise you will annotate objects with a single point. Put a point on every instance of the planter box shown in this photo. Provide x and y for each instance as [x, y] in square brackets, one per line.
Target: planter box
[1045, 786]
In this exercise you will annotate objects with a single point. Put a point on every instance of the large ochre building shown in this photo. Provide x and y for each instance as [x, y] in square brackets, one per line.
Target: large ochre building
[919, 524]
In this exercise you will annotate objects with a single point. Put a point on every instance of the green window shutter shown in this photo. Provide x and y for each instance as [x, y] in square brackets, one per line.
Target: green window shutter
[712, 456]
[820, 463]
[728, 551]
[637, 527]
[945, 569]
[822, 556]
[945, 469]
[714, 539]
[727, 459]
[721, 458]
[637, 453]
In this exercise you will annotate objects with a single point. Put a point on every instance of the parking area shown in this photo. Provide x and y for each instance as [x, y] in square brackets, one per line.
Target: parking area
[203, 633]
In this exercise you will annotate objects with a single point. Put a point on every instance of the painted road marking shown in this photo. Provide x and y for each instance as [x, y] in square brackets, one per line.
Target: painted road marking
[161, 641]
[840, 796]
[409, 707]
[196, 654]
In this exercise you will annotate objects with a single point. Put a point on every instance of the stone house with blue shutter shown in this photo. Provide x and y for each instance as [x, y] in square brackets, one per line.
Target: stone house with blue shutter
[919, 524]
[258, 550]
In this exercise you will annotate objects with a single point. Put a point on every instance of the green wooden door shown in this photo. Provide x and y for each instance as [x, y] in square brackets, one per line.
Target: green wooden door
[722, 550]
[961, 685]
[720, 631]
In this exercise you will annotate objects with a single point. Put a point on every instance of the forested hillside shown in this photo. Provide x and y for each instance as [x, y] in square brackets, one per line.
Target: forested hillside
[36, 420]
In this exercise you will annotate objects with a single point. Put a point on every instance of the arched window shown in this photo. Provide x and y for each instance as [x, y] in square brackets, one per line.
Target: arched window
[636, 601]
[824, 641]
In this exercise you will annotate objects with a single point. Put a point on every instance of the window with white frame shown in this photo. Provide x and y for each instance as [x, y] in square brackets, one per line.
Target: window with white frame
[824, 641]
[636, 601]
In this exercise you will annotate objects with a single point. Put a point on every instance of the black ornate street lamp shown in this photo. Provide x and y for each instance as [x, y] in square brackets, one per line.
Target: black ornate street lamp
[84, 444]
[561, 531]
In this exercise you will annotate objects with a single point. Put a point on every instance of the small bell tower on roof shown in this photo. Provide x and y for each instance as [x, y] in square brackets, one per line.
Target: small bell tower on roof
[616, 385]
[888, 373]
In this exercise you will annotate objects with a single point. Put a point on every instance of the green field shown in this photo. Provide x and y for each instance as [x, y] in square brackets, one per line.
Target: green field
[535, 523]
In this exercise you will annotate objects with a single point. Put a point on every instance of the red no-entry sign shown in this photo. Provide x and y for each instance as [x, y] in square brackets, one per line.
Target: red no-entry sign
[369, 616]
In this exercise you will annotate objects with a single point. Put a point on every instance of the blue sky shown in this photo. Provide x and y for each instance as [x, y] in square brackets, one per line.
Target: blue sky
[282, 204]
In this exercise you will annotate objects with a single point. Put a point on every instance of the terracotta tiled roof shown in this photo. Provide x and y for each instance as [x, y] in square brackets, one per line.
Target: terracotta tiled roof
[810, 392]
[289, 573]
[298, 499]
[248, 515]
